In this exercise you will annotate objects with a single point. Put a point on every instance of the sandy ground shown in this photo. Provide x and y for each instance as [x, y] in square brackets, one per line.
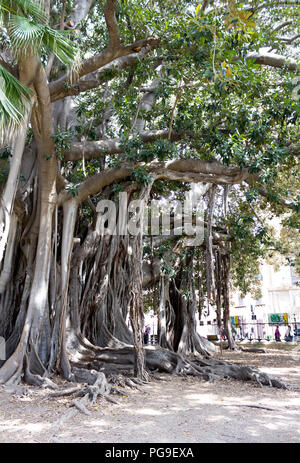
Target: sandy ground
[176, 411]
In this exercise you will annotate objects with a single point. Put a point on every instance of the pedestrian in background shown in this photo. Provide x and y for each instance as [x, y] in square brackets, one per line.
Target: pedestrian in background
[277, 334]
[288, 335]
[146, 334]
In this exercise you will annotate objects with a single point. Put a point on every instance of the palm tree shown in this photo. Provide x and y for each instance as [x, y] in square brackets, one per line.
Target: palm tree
[25, 23]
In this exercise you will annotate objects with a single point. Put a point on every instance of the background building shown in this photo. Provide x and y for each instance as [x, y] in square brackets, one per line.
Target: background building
[279, 304]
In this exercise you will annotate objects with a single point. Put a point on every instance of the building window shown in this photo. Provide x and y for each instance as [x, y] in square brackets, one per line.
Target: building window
[241, 301]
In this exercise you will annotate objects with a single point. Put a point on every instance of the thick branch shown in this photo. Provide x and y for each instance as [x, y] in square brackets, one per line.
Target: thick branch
[185, 170]
[95, 79]
[112, 25]
[282, 25]
[96, 149]
[276, 61]
[96, 62]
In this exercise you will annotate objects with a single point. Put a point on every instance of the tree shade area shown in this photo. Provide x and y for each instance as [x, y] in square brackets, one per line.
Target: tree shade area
[107, 107]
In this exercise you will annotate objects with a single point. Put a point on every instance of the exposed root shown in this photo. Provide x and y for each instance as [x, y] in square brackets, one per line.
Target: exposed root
[139, 381]
[80, 405]
[129, 382]
[66, 392]
[116, 390]
[163, 360]
[250, 406]
[255, 350]
[19, 391]
[96, 384]
[65, 417]
[36, 380]
[159, 378]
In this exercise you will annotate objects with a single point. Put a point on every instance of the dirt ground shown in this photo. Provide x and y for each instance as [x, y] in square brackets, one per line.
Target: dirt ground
[174, 411]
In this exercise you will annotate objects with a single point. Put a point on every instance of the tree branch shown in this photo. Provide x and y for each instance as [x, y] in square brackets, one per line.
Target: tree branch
[183, 170]
[97, 149]
[264, 192]
[277, 61]
[96, 78]
[112, 25]
[289, 40]
[282, 25]
[61, 86]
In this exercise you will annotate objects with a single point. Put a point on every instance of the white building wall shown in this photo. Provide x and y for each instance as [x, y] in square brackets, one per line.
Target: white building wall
[279, 295]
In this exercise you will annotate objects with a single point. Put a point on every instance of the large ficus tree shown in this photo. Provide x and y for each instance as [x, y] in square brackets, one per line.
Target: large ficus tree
[143, 96]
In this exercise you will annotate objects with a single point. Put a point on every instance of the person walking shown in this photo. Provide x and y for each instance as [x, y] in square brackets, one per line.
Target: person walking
[288, 335]
[277, 334]
[223, 334]
[146, 334]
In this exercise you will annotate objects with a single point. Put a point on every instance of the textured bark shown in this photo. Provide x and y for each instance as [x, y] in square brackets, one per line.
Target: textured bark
[178, 313]
[218, 269]
[226, 300]
[210, 281]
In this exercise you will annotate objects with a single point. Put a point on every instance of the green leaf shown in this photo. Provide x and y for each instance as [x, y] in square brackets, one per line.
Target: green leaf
[28, 8]
[13, 95]
[30, 36]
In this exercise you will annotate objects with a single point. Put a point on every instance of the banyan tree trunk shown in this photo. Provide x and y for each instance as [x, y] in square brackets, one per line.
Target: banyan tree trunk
[178, 314]
[26, 340]
[109, 295]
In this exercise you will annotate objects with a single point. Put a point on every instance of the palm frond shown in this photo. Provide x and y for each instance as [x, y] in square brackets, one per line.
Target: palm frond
[29, 35]
[13, 95]
[28, 8]
[61, 45]
[25, 35]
